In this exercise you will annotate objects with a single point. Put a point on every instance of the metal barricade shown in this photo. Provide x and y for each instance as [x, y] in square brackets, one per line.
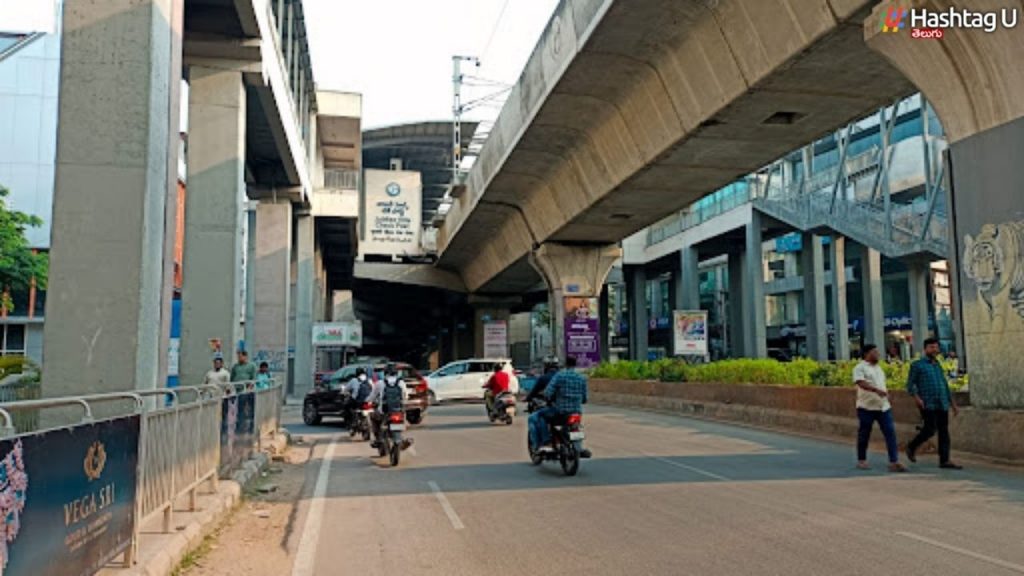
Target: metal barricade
[268, 409]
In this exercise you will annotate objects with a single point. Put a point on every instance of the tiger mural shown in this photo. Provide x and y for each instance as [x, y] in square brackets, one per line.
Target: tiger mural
[994, 262]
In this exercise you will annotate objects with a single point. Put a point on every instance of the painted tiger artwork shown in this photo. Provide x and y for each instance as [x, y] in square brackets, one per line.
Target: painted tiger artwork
[994, 262]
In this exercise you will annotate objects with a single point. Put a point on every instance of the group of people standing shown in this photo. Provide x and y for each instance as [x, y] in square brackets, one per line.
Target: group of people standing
[243, 371]
[927, 384]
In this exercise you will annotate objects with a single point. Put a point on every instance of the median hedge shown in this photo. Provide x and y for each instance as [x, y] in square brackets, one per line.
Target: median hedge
[800, 372]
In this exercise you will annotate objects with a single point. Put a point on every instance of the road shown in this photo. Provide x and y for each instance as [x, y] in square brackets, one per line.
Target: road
[663, 495]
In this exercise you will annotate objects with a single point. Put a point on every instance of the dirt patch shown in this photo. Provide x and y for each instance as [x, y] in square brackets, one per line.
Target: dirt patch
[253, 541]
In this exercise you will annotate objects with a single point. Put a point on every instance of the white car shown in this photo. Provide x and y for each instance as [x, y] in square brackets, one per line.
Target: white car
[464, 379]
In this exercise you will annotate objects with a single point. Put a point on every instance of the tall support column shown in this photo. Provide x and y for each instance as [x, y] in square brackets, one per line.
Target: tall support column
[840, 314]
[918, 276]
[687, 283]
[271, 270]
[214, 208]
[813, 264]
[753, 291]
[636, 296]
[737, 343]
[871, 287]
[304, 287]
[487, 310]
[577, 271]
[109, 290]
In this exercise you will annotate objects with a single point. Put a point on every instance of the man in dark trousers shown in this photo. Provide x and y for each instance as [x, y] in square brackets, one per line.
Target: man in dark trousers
[928, 385]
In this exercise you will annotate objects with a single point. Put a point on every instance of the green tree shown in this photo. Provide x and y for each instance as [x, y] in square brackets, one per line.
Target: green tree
[19, 264]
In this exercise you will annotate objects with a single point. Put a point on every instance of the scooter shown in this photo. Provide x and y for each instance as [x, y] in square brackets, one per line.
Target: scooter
[566, 442]
[504, 408]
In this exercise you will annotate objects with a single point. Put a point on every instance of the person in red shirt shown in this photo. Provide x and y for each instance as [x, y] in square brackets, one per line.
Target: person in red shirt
[496, 384]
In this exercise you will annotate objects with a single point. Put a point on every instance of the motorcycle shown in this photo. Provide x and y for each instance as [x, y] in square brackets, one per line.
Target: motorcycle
[391, 442]
[566, 441]
[504, 408]
[360, 424]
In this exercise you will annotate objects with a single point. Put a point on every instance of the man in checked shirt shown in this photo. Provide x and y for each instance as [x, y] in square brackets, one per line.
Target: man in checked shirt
[927, 384]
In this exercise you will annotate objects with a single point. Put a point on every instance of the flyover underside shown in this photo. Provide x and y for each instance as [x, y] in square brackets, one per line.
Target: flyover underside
[665, 103]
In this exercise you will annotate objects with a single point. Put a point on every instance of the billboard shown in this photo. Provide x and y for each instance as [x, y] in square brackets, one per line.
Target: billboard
[582, 331]
[338, 334]
[67, 498]
[690, 333]
[393, 213]
[496, 339]
[988, 238]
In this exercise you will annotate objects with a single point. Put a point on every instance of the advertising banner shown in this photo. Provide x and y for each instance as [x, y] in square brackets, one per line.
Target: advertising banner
[338, 334]
[393, 204]
[690, 331]
[67, 498]
[582, 331]
[496, 339]
[237, 430]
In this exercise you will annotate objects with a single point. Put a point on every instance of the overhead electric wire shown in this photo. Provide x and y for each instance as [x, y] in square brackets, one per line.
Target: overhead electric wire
[494, 30]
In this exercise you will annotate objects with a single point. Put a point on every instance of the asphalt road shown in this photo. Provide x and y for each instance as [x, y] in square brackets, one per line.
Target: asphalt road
[663, 495]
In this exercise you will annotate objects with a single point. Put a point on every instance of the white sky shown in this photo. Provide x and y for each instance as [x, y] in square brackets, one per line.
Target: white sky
[397, 53]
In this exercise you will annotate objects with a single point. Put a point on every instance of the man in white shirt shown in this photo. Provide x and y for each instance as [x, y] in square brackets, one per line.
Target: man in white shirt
[873, 406]
[219, 375]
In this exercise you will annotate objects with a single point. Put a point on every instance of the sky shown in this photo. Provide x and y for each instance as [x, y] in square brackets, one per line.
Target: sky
[398, 53]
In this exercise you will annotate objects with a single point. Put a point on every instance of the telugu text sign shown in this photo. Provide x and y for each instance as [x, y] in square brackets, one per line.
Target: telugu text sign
[393, 206]
[582, 331]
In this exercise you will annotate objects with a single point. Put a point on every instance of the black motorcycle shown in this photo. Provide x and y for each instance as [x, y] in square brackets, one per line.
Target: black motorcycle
[359, 424]
[391, 442]
[566, 441]
[504, 408]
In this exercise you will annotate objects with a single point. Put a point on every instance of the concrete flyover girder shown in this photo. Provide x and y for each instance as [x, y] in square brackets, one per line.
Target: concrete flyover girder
[655, 105]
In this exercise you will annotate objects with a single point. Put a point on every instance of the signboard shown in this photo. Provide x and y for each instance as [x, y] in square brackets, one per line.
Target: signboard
[582, 331]
[67, 498]
[496, 339]
[690, 332]
[393, 204]
[338, 334]
[237, 425]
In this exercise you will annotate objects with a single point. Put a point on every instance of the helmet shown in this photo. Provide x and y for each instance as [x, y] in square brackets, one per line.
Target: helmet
[551, 364]
[391, 369]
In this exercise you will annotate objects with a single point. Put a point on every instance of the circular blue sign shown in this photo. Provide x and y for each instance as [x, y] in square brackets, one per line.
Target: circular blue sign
[393, 189]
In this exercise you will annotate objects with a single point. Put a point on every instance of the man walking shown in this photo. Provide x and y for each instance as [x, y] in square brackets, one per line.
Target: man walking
[873, 406]
[927, 384]
[243, 370]
[219, 375]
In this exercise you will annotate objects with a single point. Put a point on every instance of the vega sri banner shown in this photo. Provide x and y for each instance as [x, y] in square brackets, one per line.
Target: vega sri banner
[67, 498]
[237, 430]
[582, 331]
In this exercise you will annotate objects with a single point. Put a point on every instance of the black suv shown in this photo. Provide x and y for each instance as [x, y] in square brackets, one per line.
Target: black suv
[326, 398]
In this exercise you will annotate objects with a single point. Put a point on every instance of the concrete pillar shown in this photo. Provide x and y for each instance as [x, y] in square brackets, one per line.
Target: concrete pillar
[270, 270]
[755, 331]
[871, 289]
[737, 342]
[215, 205]
[792, 315]
[918, 276]
[487, 310]
[572, 271]
[250, 273]
[840, 314]
[813, 264]
[636, 295]
[304, 287]
[117, 140]
[687, 281]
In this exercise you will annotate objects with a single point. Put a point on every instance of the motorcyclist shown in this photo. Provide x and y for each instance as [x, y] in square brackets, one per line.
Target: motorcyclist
[550, 368]
[566, 394]
[351, 392]
[387, 397]
[496, 384]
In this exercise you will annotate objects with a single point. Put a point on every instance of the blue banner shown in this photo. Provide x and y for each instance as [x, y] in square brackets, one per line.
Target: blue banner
[67, 498]
[237, 430]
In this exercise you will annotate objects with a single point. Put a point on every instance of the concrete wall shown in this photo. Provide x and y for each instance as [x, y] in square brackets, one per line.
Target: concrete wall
[820, 411]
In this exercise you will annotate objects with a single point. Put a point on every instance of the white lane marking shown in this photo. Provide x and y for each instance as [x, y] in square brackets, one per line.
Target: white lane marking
[305, 559]
[447, 506]
[687, 467]
[949, 548]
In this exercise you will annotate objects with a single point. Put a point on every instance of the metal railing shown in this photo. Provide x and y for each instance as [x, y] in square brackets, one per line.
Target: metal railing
[179, 441]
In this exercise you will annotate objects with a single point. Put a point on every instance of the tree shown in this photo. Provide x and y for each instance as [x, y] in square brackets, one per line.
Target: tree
[19, 264]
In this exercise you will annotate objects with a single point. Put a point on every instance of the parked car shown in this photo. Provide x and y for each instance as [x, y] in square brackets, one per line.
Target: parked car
[464, 379]
[325, 398]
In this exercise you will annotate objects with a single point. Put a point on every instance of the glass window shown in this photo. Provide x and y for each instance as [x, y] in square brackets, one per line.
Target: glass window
[12, 339]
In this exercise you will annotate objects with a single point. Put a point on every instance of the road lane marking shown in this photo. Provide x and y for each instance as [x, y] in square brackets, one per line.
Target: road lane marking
[687, 467]
[305, 559]
[447, 506]
[949, 548]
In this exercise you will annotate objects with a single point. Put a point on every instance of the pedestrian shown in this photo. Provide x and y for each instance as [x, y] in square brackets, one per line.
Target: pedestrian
[928, 385]
[243, 370]
[873, 406]
[263, 377]
[219, 375]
